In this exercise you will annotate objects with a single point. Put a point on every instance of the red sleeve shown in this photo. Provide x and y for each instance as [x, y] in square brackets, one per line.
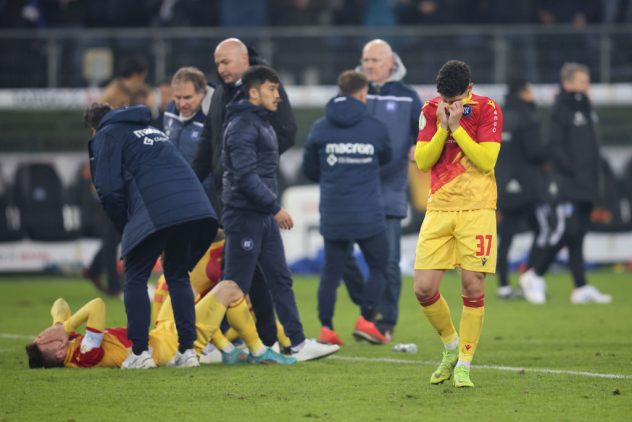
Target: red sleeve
[427, 122]
[88, 359]
[491, 126]
[214, 265]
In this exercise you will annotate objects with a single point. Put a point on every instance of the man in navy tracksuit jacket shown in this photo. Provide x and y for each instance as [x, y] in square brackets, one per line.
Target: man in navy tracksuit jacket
[344, 152]
[153, 197]
[397, 106]
[184, 117]
[251, 215]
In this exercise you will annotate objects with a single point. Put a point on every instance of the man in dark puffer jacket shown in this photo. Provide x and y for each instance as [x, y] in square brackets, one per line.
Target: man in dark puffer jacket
[233, 59]
[252, 215]
[153, 197]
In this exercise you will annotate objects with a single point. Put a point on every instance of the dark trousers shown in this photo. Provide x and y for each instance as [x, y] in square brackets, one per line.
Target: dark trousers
[510, 223]
[389, 305]
[183, 245]
[106, 258]
[353, 278]
[564, 224]
[253, 239]
[263, 307]
[375, 250]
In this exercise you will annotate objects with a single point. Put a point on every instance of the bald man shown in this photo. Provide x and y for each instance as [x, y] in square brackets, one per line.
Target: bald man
[232, 59]
[397, 106]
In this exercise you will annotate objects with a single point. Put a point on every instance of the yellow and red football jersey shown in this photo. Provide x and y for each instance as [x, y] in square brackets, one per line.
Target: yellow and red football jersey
[113, 350]
[456, 183]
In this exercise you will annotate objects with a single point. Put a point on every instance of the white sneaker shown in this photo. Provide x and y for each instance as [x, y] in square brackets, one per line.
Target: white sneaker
[589, 294]
[312, 349]
[504, 292]
[533, 287]
[142, 361]
[210, 354]
[188, 359]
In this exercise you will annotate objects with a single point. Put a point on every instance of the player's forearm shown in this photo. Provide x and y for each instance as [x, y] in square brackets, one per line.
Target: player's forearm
[483, 155]
[60, 311]
[428, 153]
[92, 314]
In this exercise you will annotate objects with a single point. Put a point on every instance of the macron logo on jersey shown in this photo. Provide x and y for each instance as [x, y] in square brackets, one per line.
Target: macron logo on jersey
[336, 153]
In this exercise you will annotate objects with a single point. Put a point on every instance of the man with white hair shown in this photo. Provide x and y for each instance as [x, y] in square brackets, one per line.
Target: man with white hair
[397, 105]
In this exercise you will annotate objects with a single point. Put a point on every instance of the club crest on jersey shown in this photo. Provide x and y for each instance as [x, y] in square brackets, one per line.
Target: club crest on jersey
[467, 110]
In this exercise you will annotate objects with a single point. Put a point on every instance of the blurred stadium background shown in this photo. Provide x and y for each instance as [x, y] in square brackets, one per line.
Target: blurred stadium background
[57, 54]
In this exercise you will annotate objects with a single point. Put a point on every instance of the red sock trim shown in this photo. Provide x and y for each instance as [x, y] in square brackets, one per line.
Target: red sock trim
[474, 302]
[94, 330]
[238, 302]
[427, 301]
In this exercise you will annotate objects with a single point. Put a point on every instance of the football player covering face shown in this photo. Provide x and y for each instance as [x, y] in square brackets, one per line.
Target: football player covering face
[450, 109]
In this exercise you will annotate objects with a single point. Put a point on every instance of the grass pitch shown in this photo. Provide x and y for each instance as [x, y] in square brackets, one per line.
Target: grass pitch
[553, 362]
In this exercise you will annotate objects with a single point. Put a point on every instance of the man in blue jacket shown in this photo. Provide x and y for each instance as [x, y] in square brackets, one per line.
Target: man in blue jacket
[397, 106]
[344, 151]
[252, 215]
[153, 197]
[185, 114]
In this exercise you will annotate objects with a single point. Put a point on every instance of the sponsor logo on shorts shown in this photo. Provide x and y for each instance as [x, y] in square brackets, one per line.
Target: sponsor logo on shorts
[483, 261]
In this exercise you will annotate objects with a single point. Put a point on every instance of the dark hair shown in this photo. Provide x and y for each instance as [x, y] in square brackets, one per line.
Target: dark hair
[92, 115]
[256, 76]
[132, 66]
[350, 82]
[38, 360]
[453, 78]
[516, 86]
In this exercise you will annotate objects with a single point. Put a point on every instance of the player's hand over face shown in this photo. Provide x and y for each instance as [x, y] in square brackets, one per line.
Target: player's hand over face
[53, 334]
[284, 220]
[456, 112]
[442, 114]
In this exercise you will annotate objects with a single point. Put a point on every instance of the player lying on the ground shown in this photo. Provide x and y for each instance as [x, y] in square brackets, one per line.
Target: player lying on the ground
[60, 345]
[204, 277]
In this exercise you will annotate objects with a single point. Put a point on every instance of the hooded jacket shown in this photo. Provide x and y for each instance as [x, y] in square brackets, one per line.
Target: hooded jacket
[344, 152]
[251, 159]
[209, 156]
[185, 134]
[142, 180]
[518, 168]
[574, 148]
[397, 106]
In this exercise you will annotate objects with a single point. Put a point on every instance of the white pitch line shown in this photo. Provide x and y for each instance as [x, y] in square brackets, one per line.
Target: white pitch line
[494, 367]
[16, 336]
[429, 363]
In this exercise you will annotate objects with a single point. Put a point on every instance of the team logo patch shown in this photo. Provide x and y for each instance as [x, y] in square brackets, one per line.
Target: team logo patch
[247, 244]
[422, 121]
[467, 110]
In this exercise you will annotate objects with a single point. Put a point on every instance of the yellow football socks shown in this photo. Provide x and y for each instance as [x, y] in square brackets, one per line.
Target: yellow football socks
[438, 313]
[284, 340]
[471, 325]
[209, 313]
[239, 317]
